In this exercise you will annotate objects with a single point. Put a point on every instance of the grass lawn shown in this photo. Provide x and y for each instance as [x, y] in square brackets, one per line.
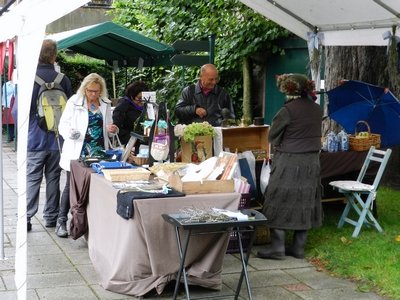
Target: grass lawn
[373, 258]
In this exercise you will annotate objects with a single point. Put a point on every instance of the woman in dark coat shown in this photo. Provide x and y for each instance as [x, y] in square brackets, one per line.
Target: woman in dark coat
[128, 110]
[293, 196]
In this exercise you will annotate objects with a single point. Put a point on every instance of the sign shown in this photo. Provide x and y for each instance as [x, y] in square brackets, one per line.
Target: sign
[189, 60]
[191, 46]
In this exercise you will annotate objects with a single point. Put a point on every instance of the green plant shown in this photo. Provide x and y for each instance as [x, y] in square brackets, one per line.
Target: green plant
[197, 129]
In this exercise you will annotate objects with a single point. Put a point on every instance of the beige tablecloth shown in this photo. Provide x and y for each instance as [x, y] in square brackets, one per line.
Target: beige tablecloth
[136, 255]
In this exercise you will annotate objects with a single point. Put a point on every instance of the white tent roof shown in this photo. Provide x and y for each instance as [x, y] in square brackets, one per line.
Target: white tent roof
[342, 22]
[26, 23]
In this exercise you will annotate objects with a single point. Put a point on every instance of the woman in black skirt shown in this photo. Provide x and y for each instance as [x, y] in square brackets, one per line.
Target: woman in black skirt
[292, 200]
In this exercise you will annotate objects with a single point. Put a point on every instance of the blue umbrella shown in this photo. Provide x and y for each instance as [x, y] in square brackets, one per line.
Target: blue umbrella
[355, 101]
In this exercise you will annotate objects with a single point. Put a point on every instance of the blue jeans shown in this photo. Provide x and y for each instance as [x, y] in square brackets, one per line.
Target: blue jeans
[39, 163]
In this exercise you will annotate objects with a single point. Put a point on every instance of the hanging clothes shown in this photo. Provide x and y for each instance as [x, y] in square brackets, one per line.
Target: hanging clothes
[2, 56]
[10, 59]
[7, 102]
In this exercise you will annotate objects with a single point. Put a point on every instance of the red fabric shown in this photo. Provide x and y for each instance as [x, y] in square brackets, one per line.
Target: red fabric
[10, 59]
[2, 56]
[7, 117]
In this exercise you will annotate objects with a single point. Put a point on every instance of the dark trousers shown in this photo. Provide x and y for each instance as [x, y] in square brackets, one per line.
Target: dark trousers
[39, 163]
[64, 204]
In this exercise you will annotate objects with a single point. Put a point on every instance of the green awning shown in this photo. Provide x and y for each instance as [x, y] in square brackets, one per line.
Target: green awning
[112, 42]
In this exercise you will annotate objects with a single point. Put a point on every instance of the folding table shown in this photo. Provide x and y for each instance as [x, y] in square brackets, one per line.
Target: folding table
[182, 221]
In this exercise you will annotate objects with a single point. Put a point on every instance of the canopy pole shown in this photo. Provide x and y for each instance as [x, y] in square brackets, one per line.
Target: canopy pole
[113, 83]
[2, 254]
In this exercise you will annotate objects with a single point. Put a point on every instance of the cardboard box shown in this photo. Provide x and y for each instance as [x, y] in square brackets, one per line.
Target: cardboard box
[197, 151]
[254, 138]
[198, 187]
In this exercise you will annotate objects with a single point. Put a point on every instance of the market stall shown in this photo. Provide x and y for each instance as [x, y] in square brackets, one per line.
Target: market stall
[137, 255]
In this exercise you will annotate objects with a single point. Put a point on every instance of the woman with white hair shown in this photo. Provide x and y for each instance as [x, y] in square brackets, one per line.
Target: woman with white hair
[85, 125]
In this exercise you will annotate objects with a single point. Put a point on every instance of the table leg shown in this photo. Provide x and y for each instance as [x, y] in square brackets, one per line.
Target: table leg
[182, 256]
[244, 261]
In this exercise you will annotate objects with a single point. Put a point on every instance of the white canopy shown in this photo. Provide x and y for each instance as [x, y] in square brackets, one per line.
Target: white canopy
[26, 23]
[341, 22]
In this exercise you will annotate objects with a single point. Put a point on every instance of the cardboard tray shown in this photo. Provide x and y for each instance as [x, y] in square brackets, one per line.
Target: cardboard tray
[126, 174]
[198, 187]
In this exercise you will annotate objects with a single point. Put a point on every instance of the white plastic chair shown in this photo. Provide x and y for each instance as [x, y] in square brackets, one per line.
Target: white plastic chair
[354, 190]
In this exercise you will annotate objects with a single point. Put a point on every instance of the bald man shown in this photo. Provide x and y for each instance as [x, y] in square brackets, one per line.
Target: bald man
[205, 100]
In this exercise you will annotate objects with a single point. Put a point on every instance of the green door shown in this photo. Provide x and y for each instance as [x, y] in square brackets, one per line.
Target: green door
[295, 60]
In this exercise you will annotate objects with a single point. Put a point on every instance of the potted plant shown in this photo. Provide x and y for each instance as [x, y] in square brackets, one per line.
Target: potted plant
[196, 141]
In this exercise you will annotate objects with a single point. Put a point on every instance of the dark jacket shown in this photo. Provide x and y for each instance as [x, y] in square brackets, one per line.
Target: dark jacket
[192, 97]
[38, 139]
[125, 115]
[296, 128]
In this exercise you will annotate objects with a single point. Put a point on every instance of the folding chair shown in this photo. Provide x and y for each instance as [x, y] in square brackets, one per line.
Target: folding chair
[360, 196]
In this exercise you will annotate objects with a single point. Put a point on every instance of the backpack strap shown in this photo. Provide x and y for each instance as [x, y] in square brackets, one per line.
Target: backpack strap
[39, 80]
[58, 78]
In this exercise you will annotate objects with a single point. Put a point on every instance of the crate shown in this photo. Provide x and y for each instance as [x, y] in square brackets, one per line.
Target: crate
[233, 246]
[126, 174]
[140, 161]
[201, 187]
[254, 138]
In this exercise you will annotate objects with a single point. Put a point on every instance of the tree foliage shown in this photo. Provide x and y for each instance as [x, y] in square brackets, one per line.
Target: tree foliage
[240, 32]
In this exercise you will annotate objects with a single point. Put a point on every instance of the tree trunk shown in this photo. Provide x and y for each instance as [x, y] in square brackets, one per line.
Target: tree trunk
[247, 107]
[369, 64]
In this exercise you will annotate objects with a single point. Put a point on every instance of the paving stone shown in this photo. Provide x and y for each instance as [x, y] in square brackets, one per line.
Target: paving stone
[82, 292]
[13, 295]
[319, 280]
[49, 263]
[338, 294]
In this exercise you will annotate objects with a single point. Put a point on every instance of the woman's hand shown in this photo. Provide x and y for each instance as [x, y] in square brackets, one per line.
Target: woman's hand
[112, 128]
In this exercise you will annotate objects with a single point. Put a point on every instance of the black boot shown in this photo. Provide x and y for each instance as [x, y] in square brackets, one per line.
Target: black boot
[276, 250]
[299, 241]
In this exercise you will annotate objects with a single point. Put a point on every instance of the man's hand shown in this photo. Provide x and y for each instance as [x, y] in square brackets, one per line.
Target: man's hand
[201, 112]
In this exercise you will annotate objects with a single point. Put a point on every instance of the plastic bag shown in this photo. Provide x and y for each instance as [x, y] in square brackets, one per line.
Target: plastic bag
[160, 147]
[116, 149]
[264, 175]
[159, 151]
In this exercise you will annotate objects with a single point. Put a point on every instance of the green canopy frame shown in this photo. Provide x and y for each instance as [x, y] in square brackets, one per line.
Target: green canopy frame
[117, 45]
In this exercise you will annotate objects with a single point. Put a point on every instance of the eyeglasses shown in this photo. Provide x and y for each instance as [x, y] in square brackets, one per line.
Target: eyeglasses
[92, 91]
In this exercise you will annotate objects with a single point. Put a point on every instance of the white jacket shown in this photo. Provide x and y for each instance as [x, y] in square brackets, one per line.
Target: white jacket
[75, 117]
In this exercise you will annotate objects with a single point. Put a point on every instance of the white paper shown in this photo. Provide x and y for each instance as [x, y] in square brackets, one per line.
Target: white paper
[150, 97]
[232, 214]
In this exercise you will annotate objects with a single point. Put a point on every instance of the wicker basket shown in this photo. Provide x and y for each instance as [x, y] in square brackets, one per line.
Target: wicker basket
[140, 161]
[364, 143]
[233, 246]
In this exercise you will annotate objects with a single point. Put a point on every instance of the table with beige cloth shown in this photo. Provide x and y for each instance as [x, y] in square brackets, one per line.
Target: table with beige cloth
[136, 255]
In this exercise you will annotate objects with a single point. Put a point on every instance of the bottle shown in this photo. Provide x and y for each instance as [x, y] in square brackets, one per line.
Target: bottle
[343, 140]
[339, 140]
[332, 142]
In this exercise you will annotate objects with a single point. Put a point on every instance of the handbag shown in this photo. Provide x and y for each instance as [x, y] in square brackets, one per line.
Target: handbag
[159, 147]
[115, 147]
